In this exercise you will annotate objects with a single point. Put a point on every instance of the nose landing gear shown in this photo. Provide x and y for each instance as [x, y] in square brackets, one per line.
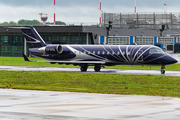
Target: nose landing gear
[162, 69]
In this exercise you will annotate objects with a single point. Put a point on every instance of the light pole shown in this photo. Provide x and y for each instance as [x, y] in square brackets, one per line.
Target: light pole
[135, 7]
[165, 8]
[101, 11]
[54, 13]
[100, 14]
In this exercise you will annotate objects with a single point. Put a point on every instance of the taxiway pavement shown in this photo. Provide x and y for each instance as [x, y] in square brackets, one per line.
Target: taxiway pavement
[40, 105]
[106, 71]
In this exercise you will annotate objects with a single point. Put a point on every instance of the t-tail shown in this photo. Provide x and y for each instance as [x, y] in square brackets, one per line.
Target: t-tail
[33, 38]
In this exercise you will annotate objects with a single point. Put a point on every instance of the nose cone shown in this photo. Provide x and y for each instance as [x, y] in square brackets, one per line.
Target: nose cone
[170, 60]
[173, 60]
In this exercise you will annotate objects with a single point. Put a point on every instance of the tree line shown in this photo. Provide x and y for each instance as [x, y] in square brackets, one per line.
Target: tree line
[29, 22]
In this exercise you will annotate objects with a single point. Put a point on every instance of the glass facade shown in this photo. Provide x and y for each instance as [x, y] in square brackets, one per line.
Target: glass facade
[144, 40]
[118, 40]
[13, 45]
[68, 39]
[166, 40]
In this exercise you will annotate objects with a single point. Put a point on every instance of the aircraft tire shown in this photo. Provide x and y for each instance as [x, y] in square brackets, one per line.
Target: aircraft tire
[84, 68]
[97, 68]
[162, 71]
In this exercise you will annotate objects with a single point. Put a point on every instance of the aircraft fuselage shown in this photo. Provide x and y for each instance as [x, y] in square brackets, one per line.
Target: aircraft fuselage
[109, 55]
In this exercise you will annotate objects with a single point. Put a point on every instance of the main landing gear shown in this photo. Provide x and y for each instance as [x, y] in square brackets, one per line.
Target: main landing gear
[162, 69]
[84, 68]
[97, 68]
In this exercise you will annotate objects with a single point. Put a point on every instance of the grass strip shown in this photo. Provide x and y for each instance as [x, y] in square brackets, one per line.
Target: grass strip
[19, 61]
[92, 83]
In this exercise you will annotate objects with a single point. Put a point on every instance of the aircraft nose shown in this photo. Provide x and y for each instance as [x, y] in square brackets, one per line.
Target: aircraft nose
[171, 60]
[174, 61]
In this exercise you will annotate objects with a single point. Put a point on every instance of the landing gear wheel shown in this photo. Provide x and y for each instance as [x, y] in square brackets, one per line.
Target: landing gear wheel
[162, 70]
[97, 68]
[84, 68]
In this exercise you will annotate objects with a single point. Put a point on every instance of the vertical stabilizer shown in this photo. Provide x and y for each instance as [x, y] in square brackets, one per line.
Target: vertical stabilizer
[33, 38]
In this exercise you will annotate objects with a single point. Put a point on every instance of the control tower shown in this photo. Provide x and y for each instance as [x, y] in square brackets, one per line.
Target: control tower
[43, 17]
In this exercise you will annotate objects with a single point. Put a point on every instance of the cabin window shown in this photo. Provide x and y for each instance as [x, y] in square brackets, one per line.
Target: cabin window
[113, 52]
[103, 52]
[107, 52]
[118, 52]
[98, 52]
[89, 52]
[93, 52]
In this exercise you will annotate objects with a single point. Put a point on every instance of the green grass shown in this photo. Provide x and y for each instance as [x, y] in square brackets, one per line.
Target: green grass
[92, 83]
[19, 61]
[89, 82]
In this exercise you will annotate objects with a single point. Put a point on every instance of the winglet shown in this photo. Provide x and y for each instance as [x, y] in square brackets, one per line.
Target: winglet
[25, 57]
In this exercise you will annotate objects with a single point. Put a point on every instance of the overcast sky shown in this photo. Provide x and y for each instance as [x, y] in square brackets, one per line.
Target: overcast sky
[78, 10]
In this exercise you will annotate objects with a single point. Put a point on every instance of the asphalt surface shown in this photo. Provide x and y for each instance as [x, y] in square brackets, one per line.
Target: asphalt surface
[106, 71]
[50, 105]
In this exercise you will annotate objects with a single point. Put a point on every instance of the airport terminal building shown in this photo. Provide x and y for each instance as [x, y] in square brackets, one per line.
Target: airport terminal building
[129, 29]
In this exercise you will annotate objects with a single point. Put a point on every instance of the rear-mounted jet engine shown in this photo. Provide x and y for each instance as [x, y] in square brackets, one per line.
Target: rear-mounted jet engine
[51, 49]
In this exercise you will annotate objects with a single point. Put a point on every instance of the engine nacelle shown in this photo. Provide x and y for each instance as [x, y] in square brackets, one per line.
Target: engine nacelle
[51, 49]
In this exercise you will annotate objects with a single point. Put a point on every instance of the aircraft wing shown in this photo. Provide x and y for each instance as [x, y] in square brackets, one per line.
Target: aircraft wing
[91, 62]
[53, 61]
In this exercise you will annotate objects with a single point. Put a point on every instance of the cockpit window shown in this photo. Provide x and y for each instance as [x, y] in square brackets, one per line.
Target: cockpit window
[160, 51]
[156, 51]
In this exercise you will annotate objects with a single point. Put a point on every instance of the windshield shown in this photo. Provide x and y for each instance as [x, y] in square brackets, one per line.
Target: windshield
[156, 51]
